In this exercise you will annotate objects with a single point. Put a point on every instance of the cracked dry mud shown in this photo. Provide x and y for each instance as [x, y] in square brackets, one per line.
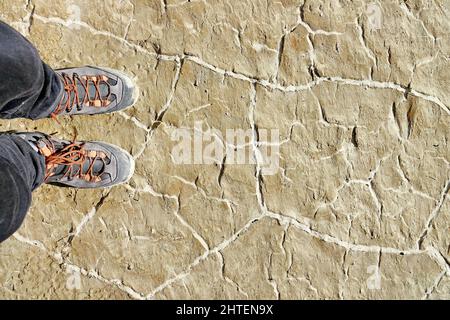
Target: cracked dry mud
[365, 163]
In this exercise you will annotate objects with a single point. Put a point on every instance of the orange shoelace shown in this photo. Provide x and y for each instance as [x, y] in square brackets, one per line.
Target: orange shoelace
[72, 95]
[74, 154]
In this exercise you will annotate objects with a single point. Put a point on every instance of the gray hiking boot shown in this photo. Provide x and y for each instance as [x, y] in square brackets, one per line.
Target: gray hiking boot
[84, 165]
[94, 90]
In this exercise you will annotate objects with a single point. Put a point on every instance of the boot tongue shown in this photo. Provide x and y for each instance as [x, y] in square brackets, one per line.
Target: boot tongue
[91, 90]
[98, 167]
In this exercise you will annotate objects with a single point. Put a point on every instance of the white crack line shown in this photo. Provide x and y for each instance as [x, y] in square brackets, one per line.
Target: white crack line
[269, 85]
[194, 232]
[434, 286]
[363, 43]
[33, 243]
[130, 22]
[196, 235]
[439, 258]
[289, 221]
[88, 217]
[388, 85]
[163, 110]
[173, 88]
[408, 12]
[228, 202]
[434, 214]
[256, 151]
[114, 282]
[271, 279]
[264, 83]
[408, 184]
[70, 23]
[149, 189]
[200, 259]
[135, 121]
[300, 21]
[227, 279]
[284, 220]
[69, 266]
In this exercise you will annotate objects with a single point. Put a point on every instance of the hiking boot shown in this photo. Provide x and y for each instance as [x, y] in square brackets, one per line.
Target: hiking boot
[84, 165]
[94, 90]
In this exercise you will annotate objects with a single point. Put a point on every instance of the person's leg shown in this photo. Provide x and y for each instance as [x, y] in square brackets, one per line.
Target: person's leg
[28, 87]
[22, 170]
[31, 89]
[29, 159]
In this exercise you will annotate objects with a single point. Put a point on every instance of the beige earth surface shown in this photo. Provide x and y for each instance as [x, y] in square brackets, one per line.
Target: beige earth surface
[359, 206]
